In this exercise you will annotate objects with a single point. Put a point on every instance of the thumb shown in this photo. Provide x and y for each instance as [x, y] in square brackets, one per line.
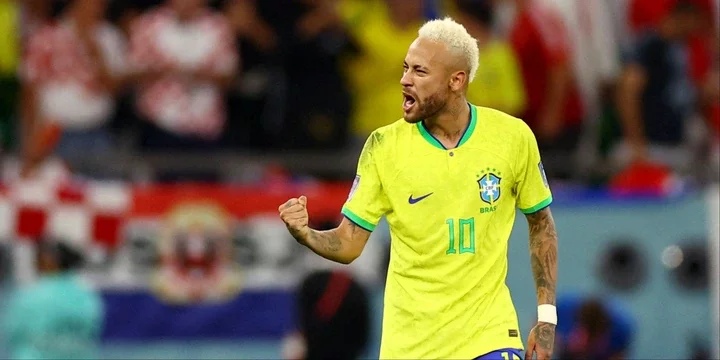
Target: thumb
[303, 200]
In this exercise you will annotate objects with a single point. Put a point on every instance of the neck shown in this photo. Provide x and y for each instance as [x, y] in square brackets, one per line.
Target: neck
[451, 122]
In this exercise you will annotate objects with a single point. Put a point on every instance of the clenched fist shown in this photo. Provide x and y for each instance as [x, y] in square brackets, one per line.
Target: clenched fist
[295, 216]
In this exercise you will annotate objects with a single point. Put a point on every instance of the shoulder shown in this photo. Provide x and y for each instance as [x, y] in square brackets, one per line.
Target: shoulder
[385, 137]
[499, 122]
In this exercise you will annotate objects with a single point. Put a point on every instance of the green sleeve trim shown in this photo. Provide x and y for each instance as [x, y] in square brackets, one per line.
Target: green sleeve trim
[543, 204]
[358, 220]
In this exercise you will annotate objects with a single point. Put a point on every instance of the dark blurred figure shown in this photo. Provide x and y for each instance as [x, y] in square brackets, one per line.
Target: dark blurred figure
[70, 74]
[184, 57]
[656, 98]
[592, 329]
[333, 318]
[309, 104]
[56, 317]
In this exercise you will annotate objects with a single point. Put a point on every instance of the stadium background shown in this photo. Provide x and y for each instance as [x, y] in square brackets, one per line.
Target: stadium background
[296, 112]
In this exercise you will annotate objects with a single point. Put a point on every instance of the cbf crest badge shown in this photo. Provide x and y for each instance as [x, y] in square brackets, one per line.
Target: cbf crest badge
[489, 183]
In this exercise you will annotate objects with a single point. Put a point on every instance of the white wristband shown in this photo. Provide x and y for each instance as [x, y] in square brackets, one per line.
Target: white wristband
[547, 313]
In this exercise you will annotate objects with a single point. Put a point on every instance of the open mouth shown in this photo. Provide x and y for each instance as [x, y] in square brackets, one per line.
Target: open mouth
[408, 102]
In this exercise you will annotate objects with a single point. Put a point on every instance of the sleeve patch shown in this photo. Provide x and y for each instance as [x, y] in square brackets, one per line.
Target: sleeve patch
[542, 173]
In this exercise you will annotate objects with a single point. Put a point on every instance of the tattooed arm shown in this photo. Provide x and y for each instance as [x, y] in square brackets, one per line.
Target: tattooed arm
[342, 244]
[543, 259]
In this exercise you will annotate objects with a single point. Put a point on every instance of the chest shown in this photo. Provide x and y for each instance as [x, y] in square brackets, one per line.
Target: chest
[460, 180]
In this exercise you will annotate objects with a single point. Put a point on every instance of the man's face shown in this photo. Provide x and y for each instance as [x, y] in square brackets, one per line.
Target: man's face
[425, 80]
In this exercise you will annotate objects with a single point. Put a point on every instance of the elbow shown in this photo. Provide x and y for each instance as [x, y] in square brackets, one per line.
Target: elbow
[349, 258]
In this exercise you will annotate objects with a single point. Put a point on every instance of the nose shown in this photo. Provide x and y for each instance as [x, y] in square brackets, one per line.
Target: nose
[405, 80]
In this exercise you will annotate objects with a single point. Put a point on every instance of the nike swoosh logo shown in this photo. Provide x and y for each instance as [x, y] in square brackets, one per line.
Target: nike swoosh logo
[416, 200]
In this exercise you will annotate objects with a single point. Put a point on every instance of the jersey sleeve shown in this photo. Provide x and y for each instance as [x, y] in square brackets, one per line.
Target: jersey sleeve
[532, 188]
[367, 201]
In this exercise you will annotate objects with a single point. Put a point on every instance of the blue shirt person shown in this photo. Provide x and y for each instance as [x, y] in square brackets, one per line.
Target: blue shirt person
[56, 317]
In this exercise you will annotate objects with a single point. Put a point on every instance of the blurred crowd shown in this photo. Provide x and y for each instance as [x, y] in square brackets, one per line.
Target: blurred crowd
[609, 87]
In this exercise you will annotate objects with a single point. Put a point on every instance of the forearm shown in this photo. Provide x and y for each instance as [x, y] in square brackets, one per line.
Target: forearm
[543, 255]
[330, 244]
[629, 105]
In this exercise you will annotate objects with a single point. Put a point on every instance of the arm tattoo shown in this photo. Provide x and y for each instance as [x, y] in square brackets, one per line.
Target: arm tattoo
[545, 335]
[327, 240]
[543, 255]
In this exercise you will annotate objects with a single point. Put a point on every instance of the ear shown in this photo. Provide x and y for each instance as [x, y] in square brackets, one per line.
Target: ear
[458, 80]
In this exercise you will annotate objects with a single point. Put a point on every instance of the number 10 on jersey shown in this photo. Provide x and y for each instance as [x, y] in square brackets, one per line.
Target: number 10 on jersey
[464, 233]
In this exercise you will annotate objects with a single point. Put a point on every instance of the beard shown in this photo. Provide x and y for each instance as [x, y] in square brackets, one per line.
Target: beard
[427, 108]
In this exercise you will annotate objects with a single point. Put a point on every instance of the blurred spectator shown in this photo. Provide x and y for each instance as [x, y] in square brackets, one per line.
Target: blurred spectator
[554, 112]
[183, 55]
[384, 29]
[333, 318]
[498, 83]
[56, 317]
[592, 329]
[656, 98]
[71, 71]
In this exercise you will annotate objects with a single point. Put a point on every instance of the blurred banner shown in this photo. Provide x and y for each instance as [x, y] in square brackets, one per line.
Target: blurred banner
[195, 254]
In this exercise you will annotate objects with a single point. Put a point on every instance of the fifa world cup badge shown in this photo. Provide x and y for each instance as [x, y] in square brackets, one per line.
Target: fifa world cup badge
[542, 173]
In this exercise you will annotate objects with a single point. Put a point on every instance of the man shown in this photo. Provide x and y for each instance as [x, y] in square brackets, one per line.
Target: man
[71, 73]
[57, 317]
[593, 329]
[448, 179]
[184, 57]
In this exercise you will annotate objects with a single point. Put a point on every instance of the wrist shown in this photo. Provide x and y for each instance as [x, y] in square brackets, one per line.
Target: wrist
[547, 313]
[302, 236]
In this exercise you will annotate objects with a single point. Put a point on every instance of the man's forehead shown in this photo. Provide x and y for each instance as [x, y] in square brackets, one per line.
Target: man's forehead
[426, 52]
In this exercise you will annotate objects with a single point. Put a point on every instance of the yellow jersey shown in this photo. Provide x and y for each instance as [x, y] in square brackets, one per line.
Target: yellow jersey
[450, 213]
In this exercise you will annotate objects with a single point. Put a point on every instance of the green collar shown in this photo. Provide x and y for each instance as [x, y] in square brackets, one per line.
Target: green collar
[468, 131]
